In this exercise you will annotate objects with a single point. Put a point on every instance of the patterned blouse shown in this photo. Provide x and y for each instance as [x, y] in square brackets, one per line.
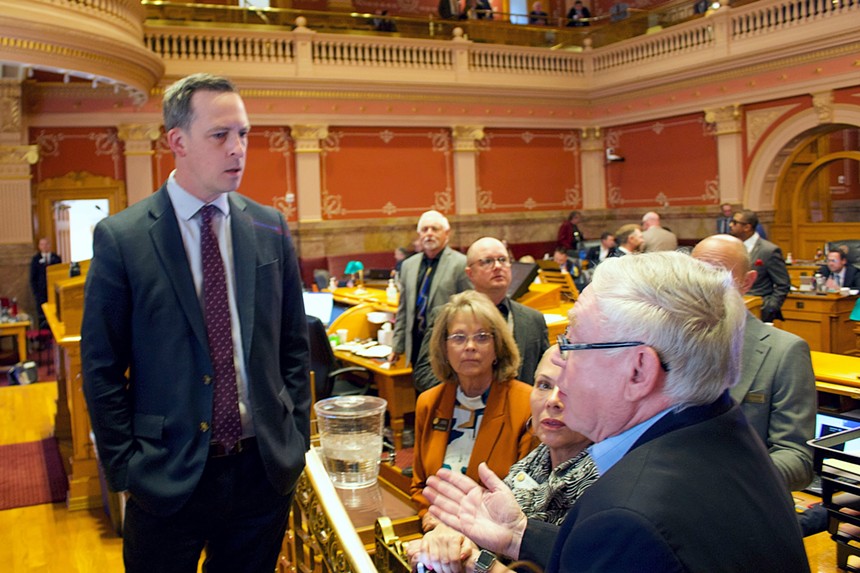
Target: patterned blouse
[547, 494]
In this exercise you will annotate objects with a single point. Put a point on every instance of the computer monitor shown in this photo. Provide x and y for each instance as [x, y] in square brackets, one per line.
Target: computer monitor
[831, 423]
[320, 305]
[522, 275]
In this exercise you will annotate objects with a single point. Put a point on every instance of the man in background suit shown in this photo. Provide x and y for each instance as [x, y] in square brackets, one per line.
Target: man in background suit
[772, 282]
[195, 292]
[724, 221]
[629, 239]
[489, 269]
[38, 277]
[776, 390]
[599, 253]
[425, 283]
[685, 485]
[655, 236]
[450, 10]
[838, 272]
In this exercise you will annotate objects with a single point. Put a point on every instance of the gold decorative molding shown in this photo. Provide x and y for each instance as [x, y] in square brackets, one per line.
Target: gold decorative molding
[465, 136]
[308, 137]
[758, 122]
[139, 131]
[591, 139]
[10, 107]
[823, 104]
[19, 154]
[138, 137]
[726, 119]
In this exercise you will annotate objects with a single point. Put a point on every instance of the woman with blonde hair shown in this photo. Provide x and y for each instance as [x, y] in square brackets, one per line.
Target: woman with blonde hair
[480, 413]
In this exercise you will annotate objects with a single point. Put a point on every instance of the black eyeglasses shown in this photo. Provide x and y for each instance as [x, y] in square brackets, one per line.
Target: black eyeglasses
[491, 262]
[565, 345]
[736, 222]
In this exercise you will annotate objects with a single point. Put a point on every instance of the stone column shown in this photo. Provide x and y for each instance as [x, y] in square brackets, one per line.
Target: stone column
[138, 138]
[465, 169]
[727, 124]
[593, 160]
[15, 162]
[308, 170]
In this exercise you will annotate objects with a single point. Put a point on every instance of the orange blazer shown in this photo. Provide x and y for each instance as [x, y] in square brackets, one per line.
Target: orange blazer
[502, 439]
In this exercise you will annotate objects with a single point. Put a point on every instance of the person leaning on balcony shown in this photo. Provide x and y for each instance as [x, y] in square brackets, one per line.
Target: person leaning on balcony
[578, 15]
[450, 10]
[537, 17]
[478, 10]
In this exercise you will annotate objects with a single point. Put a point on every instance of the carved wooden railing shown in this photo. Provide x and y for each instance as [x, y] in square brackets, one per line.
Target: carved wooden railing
[726, 39]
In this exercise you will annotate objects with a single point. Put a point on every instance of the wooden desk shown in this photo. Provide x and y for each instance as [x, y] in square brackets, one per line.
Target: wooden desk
[838, 375]
[801, 269]
[822, 320]
[376, 298]
[19, 330]
[394, 385]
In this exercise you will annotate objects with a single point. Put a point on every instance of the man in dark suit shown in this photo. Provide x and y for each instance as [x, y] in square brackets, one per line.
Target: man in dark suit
[629, 239]
[425, 283]
[449, 9]
[195, 352]
[685, 484]
[838, 272]
[776, 389]
[489, 269]
[38, 277]
[578, 15]
[599, 253]
[772, 282]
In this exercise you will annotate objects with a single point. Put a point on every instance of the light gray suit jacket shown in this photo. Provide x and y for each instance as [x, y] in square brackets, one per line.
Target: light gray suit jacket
[777, 395]
[449, 278]
[530, 334]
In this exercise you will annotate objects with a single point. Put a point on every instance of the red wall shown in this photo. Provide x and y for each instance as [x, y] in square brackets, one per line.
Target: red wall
[96, 150]
[528, 170]
[668, 162]
[386, 172]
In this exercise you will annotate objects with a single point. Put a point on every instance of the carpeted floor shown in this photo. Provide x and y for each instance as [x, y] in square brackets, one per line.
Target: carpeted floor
[31, 473]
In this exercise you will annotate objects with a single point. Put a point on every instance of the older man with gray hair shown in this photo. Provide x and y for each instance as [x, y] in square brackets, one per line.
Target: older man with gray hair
[488, 266]
[425, 283]
[653, 347]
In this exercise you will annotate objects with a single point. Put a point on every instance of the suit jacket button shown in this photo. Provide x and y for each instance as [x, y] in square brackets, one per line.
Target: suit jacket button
[207, 379]
[204, 426]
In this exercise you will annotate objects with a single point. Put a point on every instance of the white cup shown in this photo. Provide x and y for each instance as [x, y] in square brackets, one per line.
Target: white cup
[845, 291]
[343, 335]
[385, 337]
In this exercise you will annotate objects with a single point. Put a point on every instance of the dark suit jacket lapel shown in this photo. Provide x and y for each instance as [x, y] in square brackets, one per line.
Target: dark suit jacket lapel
[167, 241]
[245, 266]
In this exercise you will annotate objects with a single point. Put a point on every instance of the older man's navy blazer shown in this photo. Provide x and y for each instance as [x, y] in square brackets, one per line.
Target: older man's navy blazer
[146, 363]
[697, 492]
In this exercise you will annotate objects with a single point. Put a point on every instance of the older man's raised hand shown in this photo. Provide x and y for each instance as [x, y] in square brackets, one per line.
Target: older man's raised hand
[488, 516]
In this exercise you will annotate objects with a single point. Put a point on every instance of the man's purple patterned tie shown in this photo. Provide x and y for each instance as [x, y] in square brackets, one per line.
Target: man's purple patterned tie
[226, 424]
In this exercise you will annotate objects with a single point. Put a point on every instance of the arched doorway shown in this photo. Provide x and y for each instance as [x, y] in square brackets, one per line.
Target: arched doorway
[830, 210]
[818, 189]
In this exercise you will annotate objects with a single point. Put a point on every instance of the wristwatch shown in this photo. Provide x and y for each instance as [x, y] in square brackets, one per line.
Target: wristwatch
[485, 561]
